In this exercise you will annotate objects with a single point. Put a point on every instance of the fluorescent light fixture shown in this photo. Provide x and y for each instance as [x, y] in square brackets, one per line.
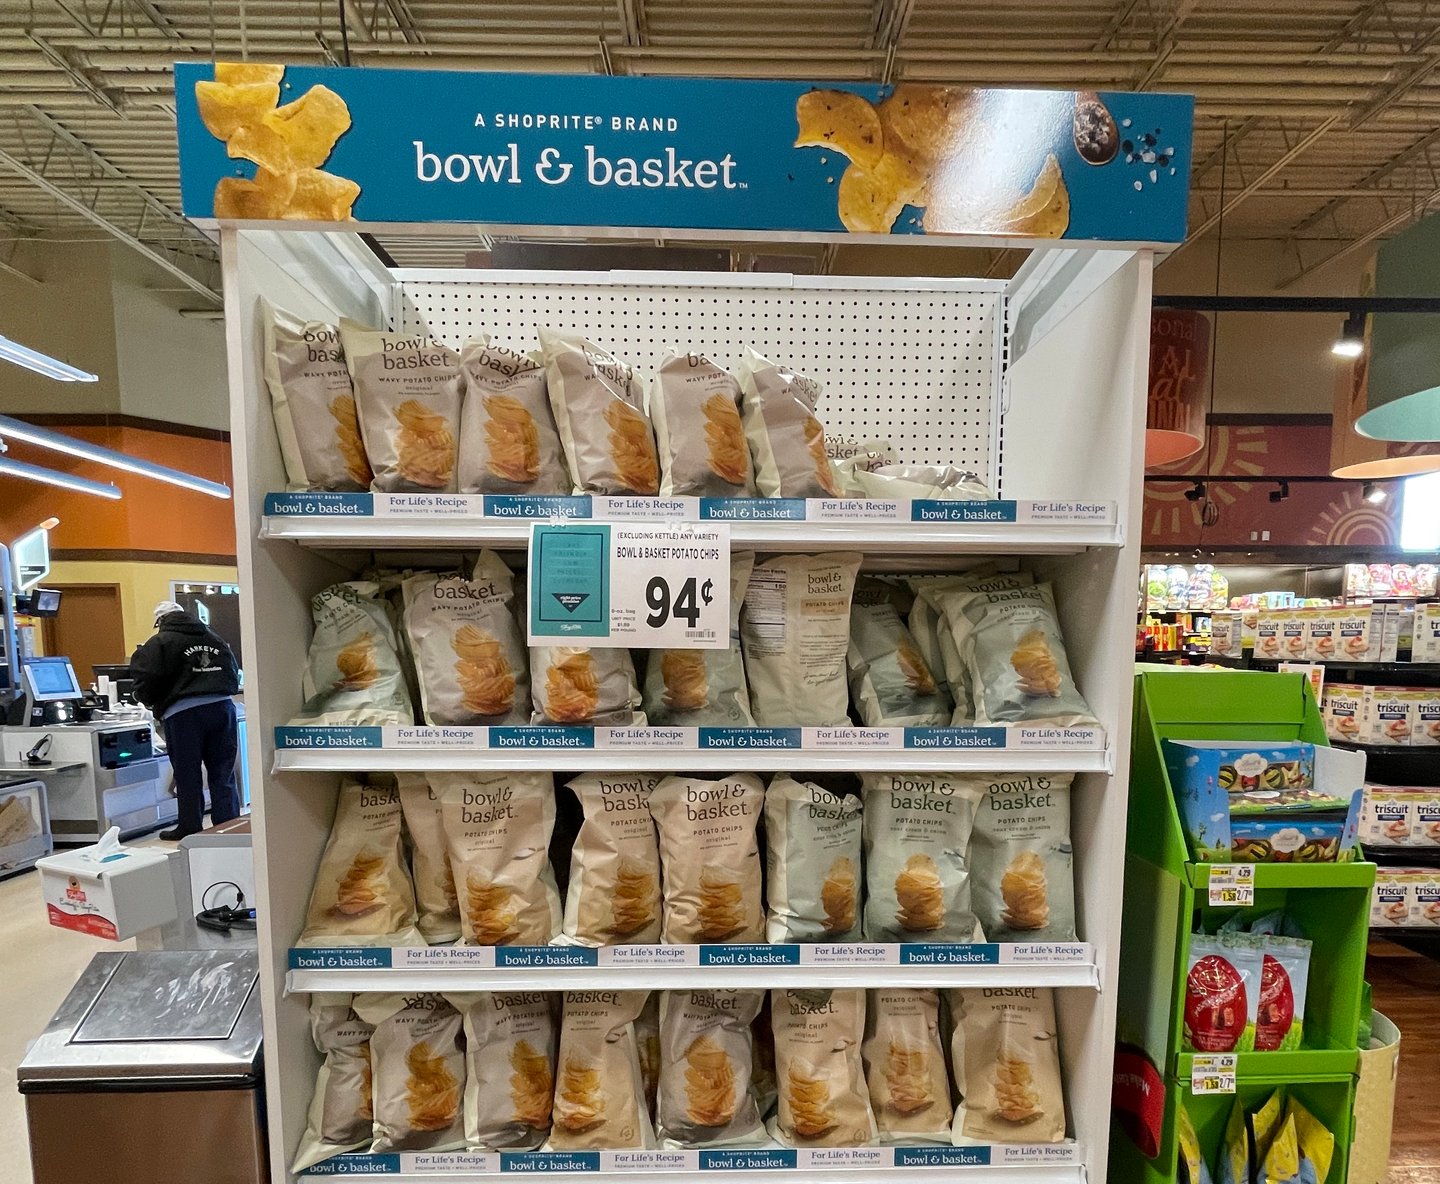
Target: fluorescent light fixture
[1420, 513]
[1351, 342]
[33, 359]
[18, 468]
[18, 429]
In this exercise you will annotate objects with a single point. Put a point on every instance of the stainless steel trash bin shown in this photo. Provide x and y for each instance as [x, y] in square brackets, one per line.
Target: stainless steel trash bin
[150, 1072]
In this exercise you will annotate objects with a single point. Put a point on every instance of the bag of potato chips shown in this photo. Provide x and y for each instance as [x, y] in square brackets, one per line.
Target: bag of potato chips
[429, 859]
[905, 1065]
[696, 407]
[314, 404]
[1007, 1065]
[812, 863]
[510, 1039]
[417, 1058]
[362, 894]
[353, 676]
[706, 1064]
[469, 651]
[890, 683]
[508, 440]
[1021, 876]
[498, 828]
[928, 621]
[647, 1042]
[710, 858]
[787, 442]
[408, 389]
[599, 1091]
[581, 686]
[340, 1117]
[917, 870]
[823, 1101]
[614, 891]
[795, 629]
[921, 482]
[703, 688]
[599, 408]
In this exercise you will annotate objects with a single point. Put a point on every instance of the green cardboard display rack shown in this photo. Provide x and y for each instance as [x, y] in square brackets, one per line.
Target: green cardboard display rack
[1166, 900]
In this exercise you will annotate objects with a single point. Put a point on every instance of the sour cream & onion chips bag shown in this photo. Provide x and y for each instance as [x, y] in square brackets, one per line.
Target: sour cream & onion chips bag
[813, 861]
[787, 441]
[508, 439]
[353, 675]
[696, 407]
[1021, 873]
[614, 891]
[417, 1055]
[890, 682]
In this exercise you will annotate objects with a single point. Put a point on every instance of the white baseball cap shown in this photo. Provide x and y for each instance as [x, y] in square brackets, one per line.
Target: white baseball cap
[165, 608]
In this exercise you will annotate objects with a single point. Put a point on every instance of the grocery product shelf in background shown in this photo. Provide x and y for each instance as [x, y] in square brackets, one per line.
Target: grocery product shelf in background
[681, 967]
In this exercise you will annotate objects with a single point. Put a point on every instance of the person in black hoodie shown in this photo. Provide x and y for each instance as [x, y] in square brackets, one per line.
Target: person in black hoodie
[186, 675]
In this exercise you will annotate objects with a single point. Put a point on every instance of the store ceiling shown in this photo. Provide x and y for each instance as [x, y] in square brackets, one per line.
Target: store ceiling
[1319, 119]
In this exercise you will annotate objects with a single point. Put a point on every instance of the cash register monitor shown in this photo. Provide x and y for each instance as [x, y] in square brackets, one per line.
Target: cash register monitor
[48, 680]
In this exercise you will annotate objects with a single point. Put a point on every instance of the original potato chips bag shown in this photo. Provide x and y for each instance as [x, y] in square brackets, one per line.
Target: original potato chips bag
[341, 1115]
[890, 682]
[429, 859]
[917, 871]
[706, 1098]
[314, 404]
[823, 1100]
[703, 688]
[614, 892]
[787, 442]
[353, 676]
[362, 894]
[510, 1039]
[710, 858]
[581, 686]
[795, 630]
[408, 388]
[696, 406]
[469, 652]
[417, 1057]
[1007, 1065]
[1022, 880]
[498, 828]
[905, 1065]
[812, 863]
[599, 1091]
[508, 441]
[600, 412]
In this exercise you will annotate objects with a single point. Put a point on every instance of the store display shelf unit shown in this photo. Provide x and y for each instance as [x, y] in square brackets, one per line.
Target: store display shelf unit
[1167, 900]
[1025, 382]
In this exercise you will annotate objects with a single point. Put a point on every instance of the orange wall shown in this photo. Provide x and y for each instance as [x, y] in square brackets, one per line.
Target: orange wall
[152, 516]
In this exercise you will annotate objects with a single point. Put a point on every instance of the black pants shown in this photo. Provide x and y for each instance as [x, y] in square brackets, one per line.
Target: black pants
[204, 738]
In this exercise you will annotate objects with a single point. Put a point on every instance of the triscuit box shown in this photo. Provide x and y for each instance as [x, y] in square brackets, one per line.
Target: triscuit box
[1427, 716]
[1322, 632]
[1387, 815]
[1344, 710]
[1390, 901]
[1294, 629]
[1425, 899]
[1390, 716]
[1359, 632]
[1427, 819]
[1425, 642]
[1267, 633]
[107, 890]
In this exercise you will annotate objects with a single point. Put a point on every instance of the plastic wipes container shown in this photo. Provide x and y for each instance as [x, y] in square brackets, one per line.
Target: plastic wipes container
[1375, 1103]
[108, 890]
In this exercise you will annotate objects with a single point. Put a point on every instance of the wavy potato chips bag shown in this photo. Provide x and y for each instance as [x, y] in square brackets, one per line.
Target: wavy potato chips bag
[578, 685]
[510, 1039]
[353, 675]
[706, 1097]
[508, 440]
[417, 1057]
[696, 406]
[341, 1114]
[787, 441]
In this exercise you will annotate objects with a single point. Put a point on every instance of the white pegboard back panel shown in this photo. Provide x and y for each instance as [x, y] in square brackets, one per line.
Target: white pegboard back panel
[916, 363]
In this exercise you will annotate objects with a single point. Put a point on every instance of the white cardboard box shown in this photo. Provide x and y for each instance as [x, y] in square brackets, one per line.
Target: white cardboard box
[113, 893]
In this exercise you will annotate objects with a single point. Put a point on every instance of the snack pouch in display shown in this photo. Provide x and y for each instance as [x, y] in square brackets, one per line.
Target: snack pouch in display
[647, 1042]
[508, 441]
[905, 1065]
[1233, 1166]
[362, 894]
[890, 682]
[353, 676]
[429, 859]
[1284, 977]
[340, 1117]
[498, 828]
[314, 404]
[696, 407]
[710, 857]
[703, 688]
[599, 1090]
[1021, 873]
[408, 388]
[796, 630]
[599, 407]
[1191, 1161]
[705, 1096]
[787, 442]
[1222, 987]
[510, 1039]
[1314, 1145]
[1015, 656]
[469, 652]
[1007, 1066]
[917, 870]
[819, 1070]
[582, 686]
[614, 891]
[921, 482]
[417, 1058]
[812, 863]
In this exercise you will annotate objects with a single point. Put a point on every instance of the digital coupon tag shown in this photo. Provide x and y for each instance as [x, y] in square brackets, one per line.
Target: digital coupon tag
[643, 586]
[1232, 885]
[1213, 1073]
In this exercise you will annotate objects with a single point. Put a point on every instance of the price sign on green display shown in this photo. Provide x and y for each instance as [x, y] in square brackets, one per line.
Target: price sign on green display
[1213, 1073]
[630, 586]
[1232, 885]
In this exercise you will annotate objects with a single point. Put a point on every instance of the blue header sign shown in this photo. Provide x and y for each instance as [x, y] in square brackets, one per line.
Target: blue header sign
[328, 145]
